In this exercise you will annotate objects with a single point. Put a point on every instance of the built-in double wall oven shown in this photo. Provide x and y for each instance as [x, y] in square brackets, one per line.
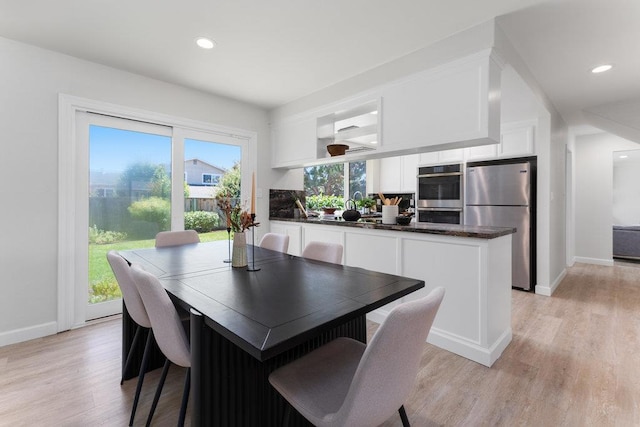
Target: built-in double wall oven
[440, 193]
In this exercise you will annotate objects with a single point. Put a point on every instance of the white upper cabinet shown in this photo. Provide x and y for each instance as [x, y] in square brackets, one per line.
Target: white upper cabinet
[449, 106]
[294, 141]
[455, 155]
[398, 174]
[517, 140]
[481, 152]
[390, 176]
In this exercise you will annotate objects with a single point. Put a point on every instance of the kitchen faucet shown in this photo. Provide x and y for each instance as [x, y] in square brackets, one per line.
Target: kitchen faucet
[355, 200]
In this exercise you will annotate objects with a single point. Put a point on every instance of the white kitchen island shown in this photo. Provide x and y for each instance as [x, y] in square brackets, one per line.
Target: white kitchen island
[473, 264]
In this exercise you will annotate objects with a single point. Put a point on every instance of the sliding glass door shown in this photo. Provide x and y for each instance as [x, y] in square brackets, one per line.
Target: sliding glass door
[143, 178]
[129, 198]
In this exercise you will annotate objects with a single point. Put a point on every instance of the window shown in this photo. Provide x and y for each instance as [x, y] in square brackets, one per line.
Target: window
[332, 180]
[210, 179]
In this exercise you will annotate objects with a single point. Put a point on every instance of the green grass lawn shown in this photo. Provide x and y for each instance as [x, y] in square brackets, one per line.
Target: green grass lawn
[102, 283]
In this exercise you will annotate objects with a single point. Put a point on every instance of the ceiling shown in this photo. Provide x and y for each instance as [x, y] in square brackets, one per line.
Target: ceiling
[272, 52]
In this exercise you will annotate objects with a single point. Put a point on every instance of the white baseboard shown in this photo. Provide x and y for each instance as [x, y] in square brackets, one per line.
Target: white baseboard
[458, 345]
[549, 290]
[469, 350]
[26, 334]
[597, 261]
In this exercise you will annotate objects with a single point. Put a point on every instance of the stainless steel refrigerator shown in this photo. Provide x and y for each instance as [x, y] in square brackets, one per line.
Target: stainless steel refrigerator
[503, 195]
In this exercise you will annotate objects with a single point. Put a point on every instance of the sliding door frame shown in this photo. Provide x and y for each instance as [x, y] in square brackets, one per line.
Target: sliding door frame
[71, 153]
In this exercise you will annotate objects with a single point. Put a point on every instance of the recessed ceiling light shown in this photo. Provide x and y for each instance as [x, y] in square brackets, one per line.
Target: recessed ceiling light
[602, 68]
[205, 43]
[623, 156]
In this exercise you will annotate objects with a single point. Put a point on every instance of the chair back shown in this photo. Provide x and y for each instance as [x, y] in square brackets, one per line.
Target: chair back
[387, 371]
[321, 251]
[130, 295]
[165, 322]
[275, 242]
[176, 238]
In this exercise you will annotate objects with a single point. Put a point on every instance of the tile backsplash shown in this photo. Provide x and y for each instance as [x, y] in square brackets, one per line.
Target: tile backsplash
[283, 202]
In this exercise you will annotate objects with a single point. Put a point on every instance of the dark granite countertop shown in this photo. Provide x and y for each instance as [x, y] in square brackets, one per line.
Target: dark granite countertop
[421, 227]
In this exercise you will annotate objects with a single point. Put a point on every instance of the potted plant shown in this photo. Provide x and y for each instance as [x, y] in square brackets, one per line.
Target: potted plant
[366, 204]
[238, 221]
[327, 203]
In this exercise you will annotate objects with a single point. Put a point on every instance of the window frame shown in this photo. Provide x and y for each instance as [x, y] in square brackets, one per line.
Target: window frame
[72, 154]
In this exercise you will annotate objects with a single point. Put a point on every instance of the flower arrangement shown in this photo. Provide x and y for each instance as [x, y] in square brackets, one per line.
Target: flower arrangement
[237, 219]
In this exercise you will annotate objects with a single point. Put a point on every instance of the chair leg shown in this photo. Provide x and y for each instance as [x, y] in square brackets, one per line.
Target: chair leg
[165, 370]
[185, 398]
[143, 369]
[287, 415]
[134, 344]
[403, 417]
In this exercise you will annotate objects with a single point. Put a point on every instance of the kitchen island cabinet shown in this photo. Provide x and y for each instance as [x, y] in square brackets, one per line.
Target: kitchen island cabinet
[473, 264]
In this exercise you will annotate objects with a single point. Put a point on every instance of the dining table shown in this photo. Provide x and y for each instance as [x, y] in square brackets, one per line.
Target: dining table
[245, 322]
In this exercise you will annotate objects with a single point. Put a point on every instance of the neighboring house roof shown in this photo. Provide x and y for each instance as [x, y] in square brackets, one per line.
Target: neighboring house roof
[198, 172]
[190, 161]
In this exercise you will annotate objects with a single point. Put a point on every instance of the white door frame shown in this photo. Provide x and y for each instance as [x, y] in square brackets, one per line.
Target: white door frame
[71, 313]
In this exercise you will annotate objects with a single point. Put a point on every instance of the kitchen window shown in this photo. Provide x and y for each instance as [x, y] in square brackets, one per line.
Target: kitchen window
[337, 179]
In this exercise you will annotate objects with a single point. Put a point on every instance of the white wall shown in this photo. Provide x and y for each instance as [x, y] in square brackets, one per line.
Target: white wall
[626, 191]
[593, 192]
[551, 140]
[454, 47]
[30, 81]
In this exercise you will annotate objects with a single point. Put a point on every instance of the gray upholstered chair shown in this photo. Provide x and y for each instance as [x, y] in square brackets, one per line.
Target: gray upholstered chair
[169, 334]
[321, 251]
[135, 308]
[348, 383]
[176, 238]
[275, 242]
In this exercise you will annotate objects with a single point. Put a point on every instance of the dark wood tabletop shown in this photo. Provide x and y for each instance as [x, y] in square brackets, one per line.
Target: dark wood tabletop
[266, 312]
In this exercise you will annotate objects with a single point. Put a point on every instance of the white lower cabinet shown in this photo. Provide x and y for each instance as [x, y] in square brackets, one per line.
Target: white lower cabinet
[294, 231]
[474, 320]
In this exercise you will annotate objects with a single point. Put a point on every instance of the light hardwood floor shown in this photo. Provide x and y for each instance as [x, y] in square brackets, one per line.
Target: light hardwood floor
[574, 361]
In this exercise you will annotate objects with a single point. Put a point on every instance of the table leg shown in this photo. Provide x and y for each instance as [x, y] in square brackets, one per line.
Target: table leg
[231, 387]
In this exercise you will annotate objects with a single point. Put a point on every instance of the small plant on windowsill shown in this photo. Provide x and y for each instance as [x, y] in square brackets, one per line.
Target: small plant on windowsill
[366, 203]
[321, 201]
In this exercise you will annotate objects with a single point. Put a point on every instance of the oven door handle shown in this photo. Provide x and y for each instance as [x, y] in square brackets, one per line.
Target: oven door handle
[435, 175]
[441, 209]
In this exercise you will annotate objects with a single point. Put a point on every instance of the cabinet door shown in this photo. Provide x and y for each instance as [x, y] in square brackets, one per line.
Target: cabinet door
[451, 156]
[294, 141]
[481, 152]
[443, 104]
[428, 158]
[390, 177]
[409, 170]
[517, 141]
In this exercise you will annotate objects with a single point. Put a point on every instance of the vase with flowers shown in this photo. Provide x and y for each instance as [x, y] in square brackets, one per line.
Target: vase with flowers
[238, 221]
